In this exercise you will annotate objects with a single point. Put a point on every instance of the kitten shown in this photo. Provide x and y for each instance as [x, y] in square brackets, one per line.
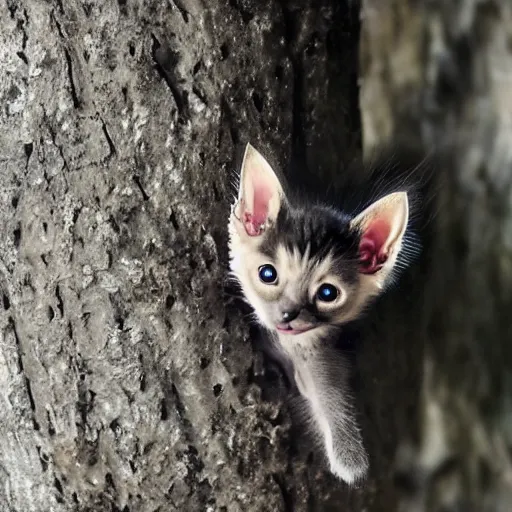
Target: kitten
[306, 270]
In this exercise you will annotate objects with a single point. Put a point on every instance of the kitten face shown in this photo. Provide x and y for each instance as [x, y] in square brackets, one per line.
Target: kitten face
[304, 269]
[301, 273]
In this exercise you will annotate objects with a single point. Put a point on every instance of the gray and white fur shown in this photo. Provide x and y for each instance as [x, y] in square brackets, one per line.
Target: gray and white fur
[306, 270]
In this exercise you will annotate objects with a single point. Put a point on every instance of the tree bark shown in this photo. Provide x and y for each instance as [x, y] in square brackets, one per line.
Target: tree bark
[130, 381]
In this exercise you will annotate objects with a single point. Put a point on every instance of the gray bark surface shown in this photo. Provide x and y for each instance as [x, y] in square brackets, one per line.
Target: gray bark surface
[127, 382]
[129, 379]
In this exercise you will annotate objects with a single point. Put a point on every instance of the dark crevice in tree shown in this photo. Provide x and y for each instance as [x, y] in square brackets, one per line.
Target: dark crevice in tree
[28, 148]
[22, 56]
[224, 51]
[180, 408]
[69, 64]
[174, 221]
[76, 213]
[87, 9]
[137, 182]
[199, 94]
[76, 102]
[60, 303]
[61, 6]
[258, 101]
[165, 61]
[29, 393]
[58, 485]
[59, 27]
[28, 387]
[164, 413]
[18, 344]
[12, 7]
[17, 237]
[115, 427]
[109, 481]
[169, 301]
[197, 67]
[85, 396]
[51, 428]
[43, 458]
[111, 146]
[184, 13]
[143, 383]
[22, 26]
[113, 223]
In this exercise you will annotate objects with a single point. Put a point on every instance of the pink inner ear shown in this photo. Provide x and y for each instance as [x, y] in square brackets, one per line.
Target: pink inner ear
[371, 247]
[255, 220]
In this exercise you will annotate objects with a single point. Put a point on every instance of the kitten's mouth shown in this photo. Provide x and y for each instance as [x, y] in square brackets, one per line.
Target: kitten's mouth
[288, 329]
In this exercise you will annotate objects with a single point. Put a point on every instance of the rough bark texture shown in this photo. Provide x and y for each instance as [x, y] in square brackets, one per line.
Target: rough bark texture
[129, 380]
[128, 384]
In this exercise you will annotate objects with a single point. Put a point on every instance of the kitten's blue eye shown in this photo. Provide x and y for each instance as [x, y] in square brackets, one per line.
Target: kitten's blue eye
[327, 293]
[268, 274]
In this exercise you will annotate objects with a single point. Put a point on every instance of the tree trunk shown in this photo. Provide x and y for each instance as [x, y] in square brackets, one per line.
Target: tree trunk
[128, 383]
[130, 380]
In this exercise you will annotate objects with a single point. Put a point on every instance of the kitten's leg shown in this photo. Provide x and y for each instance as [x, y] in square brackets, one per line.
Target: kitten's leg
[322, 380]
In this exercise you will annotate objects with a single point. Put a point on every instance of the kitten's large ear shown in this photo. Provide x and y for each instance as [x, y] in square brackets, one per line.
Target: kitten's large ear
[382, 227]
[260, 194]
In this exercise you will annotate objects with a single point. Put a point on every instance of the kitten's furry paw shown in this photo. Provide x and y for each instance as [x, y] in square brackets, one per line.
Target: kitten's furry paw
[348, 459]
[350, 467]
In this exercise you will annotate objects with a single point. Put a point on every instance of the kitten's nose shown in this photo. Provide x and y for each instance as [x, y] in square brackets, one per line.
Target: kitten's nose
[288, 316]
